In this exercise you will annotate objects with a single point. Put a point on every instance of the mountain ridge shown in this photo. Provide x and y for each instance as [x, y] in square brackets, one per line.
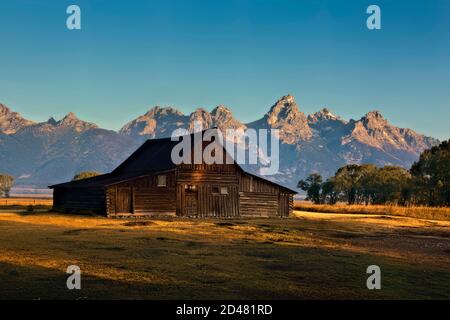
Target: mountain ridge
[53, 151]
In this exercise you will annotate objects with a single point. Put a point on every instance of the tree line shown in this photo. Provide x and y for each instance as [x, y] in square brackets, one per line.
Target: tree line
[427, 182]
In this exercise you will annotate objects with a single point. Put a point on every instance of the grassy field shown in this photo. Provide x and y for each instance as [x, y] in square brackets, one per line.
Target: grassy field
[25, 203]
[432, 213]
[309, 256]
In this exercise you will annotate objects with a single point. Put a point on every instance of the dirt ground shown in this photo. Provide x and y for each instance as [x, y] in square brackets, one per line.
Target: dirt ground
[309, 256]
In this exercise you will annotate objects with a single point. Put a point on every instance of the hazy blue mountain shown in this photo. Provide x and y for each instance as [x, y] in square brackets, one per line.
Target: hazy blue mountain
[54, 151]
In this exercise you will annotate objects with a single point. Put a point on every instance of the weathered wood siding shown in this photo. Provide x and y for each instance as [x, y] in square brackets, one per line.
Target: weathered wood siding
[262, 198]
[249, 183]
[258, 204]
[146, 197]
[286, 204]
[202, 201]
[79, 200]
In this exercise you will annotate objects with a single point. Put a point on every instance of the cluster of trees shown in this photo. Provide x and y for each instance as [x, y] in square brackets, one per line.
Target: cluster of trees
[359, 184]
[6, 183]
[426, 183]
[432, 175]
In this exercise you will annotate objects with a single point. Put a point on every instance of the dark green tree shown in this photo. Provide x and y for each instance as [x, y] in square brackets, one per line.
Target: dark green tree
[351, 180]
[312, 185]
[431, 176]
[366, 184]
[329, 193]
[390, 185]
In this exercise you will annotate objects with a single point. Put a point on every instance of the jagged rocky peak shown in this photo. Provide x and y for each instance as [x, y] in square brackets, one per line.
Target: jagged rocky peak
[374, 119]
[374, 130]
[4, 110]
[69, 118]
[285, 108]
[221, 111]
[371, 128]
[323, 115]
[328, 126]
[157, 122]
[223, 119]
[199, 120]
[72, 121]
[292, 123]
[374, 114]
[11, 122]
[327, 114]
[52, 121]
[158, 111]
[418, 141]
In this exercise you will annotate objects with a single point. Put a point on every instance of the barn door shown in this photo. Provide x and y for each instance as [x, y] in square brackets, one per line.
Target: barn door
[190, 203]
[124, 200]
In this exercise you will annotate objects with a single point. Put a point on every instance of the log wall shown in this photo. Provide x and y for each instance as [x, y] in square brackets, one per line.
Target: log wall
[79, 200]
[263, 199]
[191, 190]
[146, 197]
[286, 204]
[197, 187]
[258, 204]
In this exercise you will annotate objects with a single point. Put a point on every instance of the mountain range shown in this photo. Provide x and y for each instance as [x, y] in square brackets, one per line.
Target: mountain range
[49, 152]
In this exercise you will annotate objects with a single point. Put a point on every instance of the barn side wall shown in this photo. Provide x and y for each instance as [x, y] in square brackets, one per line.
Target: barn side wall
[207, 179]
[260, 198]
[145, 196]
[285, 204]
[80, 200]
[190, 191]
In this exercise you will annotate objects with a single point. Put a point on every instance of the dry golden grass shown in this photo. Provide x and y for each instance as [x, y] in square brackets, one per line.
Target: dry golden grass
[433, 213]
[308, 256]
[7, 202]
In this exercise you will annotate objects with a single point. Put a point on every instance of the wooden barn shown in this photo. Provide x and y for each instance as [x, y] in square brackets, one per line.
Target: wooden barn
[149, 183]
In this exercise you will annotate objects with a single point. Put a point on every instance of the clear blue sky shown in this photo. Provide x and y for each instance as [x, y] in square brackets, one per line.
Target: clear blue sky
[132, 55]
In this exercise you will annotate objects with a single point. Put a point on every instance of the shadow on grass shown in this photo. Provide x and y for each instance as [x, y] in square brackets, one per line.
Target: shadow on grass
[32, 282]
[202, 267]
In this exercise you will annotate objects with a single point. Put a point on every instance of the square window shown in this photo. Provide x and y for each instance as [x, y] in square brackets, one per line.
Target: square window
[215, 190]
[223, 190]
[162, 181]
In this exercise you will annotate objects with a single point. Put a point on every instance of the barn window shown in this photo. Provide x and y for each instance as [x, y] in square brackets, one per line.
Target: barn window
[190, 187]
[162, 181]
[223, 190]
[215, 190]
